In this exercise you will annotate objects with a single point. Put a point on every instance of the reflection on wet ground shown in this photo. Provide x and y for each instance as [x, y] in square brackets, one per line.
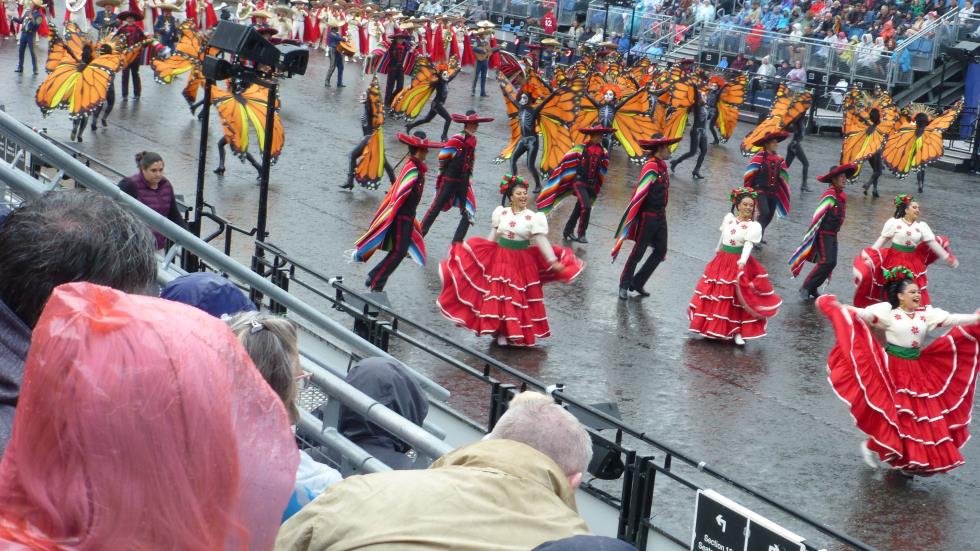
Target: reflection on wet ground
[764, 414]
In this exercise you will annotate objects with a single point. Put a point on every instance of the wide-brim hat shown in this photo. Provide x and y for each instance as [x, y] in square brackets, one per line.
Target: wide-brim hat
[418, 140]
[550, 42]
[39, 3]
[656, 141]
[283, 9]
[267, 30]
[485, 24]
[593, 130]
[469, 117]
[299, 1]
[168, 7]
[334, 23]
[850, 169]
[261, 13]
[779, 136]
[400, 34]
[108, 3]
[121, 15]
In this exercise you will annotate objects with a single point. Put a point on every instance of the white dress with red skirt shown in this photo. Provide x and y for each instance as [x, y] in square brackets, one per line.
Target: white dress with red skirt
[900, 244]
[729, 300]
[913, 402]
[493, 286]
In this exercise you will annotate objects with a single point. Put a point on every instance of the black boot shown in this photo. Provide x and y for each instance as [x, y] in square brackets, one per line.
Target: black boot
[673, 167]
[623, 295]
[805, 188]
[697, 176]
[866, 186]
[640, 291]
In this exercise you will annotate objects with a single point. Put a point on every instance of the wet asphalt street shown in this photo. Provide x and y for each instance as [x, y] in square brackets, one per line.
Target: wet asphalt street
[764, 413]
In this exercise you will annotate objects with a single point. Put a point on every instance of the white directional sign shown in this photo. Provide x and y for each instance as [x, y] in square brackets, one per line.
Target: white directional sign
[720, 524]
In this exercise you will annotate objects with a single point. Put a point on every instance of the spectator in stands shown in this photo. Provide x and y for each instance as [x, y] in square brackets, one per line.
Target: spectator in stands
[783, 69]
[56, 238]
[142, 425]
[150, 187]
[739, 63]
[723, 63]
[766, 69]
[388, 382]
[796, 76]
[271, 343]
[210, 292]
[513, 490]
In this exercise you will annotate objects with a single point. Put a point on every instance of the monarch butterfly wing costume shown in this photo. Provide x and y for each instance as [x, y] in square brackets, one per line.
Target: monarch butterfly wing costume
[371, 164]
[408, 103]
[772, 123]
[586, 113]
[732, 96]
[681, 97]
[515, 127]
[633, 122]
[255, 101]
[556, 138]
[240, 111]
[908, 150]
[185, 58]
[560, 182]
[77, 87]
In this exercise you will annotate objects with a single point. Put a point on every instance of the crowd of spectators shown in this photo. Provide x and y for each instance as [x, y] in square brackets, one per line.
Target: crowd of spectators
[135, 417]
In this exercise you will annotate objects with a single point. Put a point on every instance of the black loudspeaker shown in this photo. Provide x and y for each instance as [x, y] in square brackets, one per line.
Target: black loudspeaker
[244, 42]
[963, 50]
[294, 59]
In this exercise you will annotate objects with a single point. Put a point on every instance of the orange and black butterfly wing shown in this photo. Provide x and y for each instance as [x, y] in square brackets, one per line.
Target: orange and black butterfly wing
[371, 164]
[374, 98]
[57, 89]
[166, 70]
[512, 123]
[93, 84]
[408, 103]
[769, 124]
[234, 121]
[556, 138]
[633, 122]
[255, 100]
[930, 148]
[899, 152]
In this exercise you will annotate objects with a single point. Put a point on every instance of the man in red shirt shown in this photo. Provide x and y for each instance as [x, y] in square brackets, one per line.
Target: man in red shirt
[549, 22]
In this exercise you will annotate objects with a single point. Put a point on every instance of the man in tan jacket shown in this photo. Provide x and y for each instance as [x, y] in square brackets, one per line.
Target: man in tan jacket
[512, 491]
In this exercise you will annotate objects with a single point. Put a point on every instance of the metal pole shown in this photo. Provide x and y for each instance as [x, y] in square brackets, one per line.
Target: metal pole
[605, 23]
[202, 157]
[270, 120]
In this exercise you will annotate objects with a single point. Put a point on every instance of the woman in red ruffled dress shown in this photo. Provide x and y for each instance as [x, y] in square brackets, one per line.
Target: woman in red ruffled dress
[911, 244]
[913, 402]
[492, 286]
[734, 297]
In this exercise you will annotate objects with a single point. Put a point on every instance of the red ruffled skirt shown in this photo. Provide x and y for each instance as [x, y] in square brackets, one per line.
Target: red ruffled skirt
[868, 266]
[916, 413]
[727, 301]
[493, 290]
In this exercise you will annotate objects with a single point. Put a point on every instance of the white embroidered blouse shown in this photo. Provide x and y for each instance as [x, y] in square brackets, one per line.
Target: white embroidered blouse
[526, 225]
[908, 329]
[736, 233]
[899, 232]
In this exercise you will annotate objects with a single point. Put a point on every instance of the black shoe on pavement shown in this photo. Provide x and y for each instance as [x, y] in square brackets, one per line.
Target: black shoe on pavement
[623, 295]
[582, 239]
[805, 188]
[568, 237]
[220, 170]
[874, 193]
[537, 189]
[673, 167]
[341, 86]
[697, 176]
[640, 291]
[348, 186]
[804, 293]
[19, 70]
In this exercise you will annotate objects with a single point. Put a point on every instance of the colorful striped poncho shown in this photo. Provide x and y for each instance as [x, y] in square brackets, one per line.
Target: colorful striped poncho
[560, 182]
[654, 170]
[806, 251]
[782, 181]
[379, 235]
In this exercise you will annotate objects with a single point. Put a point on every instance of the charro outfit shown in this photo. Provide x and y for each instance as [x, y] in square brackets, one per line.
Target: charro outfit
[914, 402]
[820, 241]
[397, 57]
[767, 175]
[453, 186]
[589, 176]
[911, 245]
[645, 223]
[492, 286]
[729, 300]
[134, 35]
[394, 227]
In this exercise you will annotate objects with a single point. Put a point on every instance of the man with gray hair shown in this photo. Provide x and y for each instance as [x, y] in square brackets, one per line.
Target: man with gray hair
[60, 237]
[514, 490]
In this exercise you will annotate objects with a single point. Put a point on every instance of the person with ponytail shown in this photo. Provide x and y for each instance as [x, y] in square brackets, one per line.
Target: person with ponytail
[913, 400]
[150, 187]
[492, 286]
[734, 298]
[911, 243]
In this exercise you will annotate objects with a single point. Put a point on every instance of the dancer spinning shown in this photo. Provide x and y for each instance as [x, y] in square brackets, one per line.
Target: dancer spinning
[394, 227]
[453, 185]
[492, 286]
[734, 298]
[527, 116]
[581, 172]
[914, 402]
[645, 219]
[367, 160]
[911, 244]
[868, 120]
[243, 107]
[820, 240]
[918, 140]
[699, 141]
[428, 82]
[766, 173]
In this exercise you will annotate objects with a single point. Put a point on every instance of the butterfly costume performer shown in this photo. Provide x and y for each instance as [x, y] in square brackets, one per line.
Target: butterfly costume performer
[788, 114]
[367, 160]
[917, 141]
[428, 82]
[868, 121]
[242, 108]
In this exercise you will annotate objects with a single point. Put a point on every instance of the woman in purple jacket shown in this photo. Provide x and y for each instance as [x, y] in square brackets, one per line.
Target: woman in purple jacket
[148, 186]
